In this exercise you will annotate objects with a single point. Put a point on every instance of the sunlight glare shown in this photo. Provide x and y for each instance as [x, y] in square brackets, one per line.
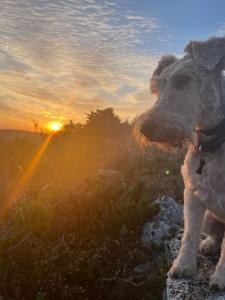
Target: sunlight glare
[20, 186]
[55, 126]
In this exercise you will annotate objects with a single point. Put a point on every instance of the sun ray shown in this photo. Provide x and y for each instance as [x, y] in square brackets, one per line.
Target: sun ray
[21, 185]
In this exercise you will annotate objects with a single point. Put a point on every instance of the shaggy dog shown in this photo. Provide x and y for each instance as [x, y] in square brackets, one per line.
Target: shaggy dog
[190, 108]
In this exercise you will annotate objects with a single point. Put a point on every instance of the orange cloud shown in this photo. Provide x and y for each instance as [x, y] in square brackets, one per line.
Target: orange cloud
[64, 62]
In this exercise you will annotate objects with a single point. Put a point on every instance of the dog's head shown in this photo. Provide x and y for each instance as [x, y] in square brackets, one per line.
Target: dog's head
[188, 94]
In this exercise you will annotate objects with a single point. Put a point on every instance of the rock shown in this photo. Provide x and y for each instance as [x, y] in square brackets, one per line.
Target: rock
[196, 288]
[143, 268]
[165, 223]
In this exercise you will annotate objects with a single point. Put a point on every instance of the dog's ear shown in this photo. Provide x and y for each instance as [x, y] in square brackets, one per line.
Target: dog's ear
[208, 54]
[164, 62]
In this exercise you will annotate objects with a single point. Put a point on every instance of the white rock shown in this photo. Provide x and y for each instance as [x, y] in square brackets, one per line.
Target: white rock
[164, 224]
[196, 288]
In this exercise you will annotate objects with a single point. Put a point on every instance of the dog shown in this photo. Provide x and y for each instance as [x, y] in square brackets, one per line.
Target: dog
[190, 109]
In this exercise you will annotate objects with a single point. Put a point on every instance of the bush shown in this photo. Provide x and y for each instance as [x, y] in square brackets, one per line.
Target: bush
[76, 245]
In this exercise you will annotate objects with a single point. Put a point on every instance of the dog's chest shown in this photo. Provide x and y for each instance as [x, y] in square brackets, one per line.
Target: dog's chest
[208, 187]
[212, 177]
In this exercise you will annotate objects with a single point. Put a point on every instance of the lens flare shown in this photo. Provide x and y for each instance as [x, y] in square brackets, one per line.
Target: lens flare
[22, 183]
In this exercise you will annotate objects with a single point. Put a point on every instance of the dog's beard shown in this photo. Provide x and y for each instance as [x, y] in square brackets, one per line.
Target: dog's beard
[169, 135]
[171, 140]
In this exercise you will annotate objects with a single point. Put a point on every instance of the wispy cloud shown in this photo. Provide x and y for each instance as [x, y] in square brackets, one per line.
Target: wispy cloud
[59, 59]
[220, 31]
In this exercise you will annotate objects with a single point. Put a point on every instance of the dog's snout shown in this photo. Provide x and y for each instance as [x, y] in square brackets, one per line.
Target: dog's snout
[148, 129]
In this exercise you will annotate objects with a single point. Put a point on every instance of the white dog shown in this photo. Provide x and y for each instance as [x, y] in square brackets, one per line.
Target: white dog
[191, 108]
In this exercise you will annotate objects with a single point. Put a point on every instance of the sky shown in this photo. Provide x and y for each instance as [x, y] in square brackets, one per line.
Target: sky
[61, 59]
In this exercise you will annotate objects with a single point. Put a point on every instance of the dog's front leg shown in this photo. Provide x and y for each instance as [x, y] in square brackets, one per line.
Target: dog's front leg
[185, 263]
[217, 280]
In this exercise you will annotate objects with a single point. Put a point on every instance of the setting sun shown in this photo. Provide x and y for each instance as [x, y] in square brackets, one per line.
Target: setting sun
[55, 126]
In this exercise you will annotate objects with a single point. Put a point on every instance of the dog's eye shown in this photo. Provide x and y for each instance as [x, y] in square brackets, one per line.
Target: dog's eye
[181, 81]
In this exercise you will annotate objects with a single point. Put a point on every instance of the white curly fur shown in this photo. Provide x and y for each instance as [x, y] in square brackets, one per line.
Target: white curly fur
[189, 97]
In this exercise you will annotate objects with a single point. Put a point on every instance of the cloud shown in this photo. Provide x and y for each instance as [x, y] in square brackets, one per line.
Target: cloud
[220, 31]
[60, 59]
[5, 108]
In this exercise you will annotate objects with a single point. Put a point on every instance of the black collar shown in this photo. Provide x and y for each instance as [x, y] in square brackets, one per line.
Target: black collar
[216, 142]
[218, 132]
[213, 145]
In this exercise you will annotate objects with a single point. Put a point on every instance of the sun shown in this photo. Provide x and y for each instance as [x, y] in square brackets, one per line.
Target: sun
[55, 126]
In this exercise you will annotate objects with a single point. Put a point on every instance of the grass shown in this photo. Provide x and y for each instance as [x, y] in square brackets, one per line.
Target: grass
[86, 244]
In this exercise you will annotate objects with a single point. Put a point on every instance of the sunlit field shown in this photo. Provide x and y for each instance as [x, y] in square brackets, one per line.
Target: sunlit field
[73, 204]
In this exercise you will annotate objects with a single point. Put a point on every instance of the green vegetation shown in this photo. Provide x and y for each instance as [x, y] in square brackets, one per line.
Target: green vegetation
[75, 230]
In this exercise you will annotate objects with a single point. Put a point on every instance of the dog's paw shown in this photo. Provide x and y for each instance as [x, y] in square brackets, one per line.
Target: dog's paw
[209, 246]
[217, 281]
[180, 270]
